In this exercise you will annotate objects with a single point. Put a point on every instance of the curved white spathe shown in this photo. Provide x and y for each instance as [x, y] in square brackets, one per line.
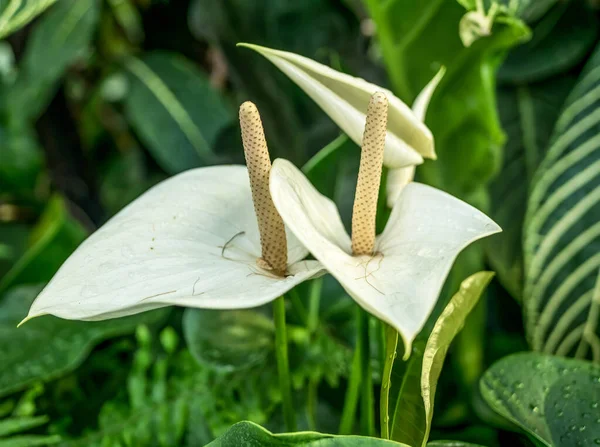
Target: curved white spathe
[345, 98]
[401, 283]
[400, 177]
[191, 240]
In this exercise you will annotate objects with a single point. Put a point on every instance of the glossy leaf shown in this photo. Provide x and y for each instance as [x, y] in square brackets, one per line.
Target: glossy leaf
[51, 242]
[15, 14]
[414, 408]
[250, 434]
[228, 340]
[48, 347]
[62, 37]
[562, 230]
[561, 39]
[551, 398]
[528, 114]
[175, 110]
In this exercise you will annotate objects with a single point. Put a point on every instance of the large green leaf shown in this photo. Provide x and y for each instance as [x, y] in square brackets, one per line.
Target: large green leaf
[175, 110]
[52, 241]
[61, 38]
[15, 14]
[252, 435]
[414, 408]
[48, 347]
[228, 339]
[416, 38]
[451, 444]
[561, 39]
[562, 230]
[553, 399]
[528, 114]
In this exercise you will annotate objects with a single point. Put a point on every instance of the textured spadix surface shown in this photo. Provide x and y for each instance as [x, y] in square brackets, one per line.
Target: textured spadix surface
[192, 241]
[401, 282]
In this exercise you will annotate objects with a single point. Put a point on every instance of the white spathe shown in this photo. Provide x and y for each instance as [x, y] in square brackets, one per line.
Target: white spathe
[400, 177]
[401, 283]
[345, 98]
[191, 241]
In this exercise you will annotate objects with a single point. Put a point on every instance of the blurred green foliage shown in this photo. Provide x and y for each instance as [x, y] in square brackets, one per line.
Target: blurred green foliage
[101, 99]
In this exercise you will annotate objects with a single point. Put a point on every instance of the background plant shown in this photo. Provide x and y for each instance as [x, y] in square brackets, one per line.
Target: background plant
[101, 99]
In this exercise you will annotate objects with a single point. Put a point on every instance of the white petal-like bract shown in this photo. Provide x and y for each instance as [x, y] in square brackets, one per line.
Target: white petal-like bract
[401, 282]
[191, 240]
[345, 98]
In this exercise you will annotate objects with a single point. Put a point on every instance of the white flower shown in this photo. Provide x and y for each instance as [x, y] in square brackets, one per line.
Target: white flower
[398, 178]
[192, 240]
[398, 275]
[344, 98]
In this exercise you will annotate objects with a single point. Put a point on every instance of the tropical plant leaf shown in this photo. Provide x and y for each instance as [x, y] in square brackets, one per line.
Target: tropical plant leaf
[551, 398]
[51, 242]
[174, 110]
[451, 444]
[15, 14]
[62, 37]
[416, 38]
[48, 347]
[528, 114]
[250, 434]
[414, 408]
[561, 39]
[228, 340]
[562, 230]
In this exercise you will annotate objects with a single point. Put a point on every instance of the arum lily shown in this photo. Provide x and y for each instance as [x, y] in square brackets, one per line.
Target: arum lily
[344, 98]
[400, 177]
[398, 275]
[193, 240]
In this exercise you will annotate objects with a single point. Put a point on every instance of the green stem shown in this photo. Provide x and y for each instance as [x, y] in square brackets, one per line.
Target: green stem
[314, 301]
[391, 343]
[367, 408]
[353, 391]
[311, 404]
[281, 352]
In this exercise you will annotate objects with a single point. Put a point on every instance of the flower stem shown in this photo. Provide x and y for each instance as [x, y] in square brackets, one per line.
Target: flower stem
[391, 343]
[314, 301]
[353, 390]
[367, 409]
[283, 369]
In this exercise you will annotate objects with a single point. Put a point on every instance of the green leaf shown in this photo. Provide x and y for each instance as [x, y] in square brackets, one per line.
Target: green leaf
[48, 347]
[52, 241]
[528, 114]
[252, 435]
[175, 111]
[551, 398]
[451, 444]
[61, 38]
[228, 340]
[562, 230]
[22, 158]
[561, 40]
[15, 14]
[16, 425]
[416, 38]
[414, 408]
[30, 441]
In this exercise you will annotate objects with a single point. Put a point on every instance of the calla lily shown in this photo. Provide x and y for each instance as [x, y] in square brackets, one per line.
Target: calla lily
[192, 240]
[344, 98]
[398, 275]
[400, 177]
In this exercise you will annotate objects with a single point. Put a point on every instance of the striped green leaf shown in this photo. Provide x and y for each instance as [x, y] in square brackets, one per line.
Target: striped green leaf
[528, 114]
[175, 110]
[562, 230]
[15, 14]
